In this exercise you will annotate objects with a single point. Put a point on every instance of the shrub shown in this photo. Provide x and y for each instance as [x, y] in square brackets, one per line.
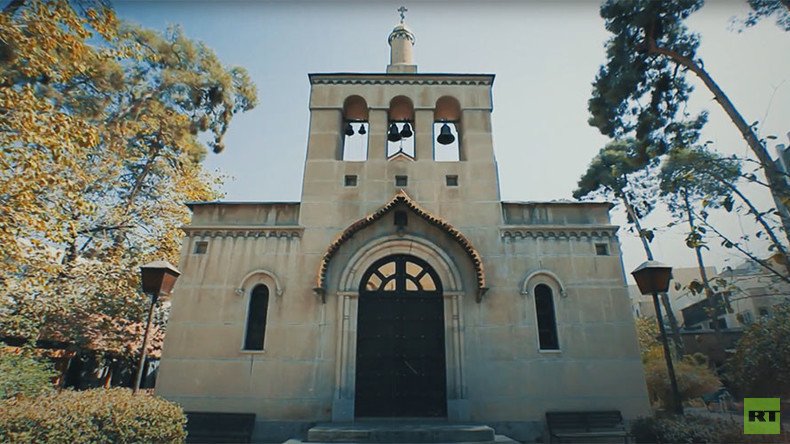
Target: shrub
[694, 377]
[760, 366]
[23, 375]
[686, 429]
[100, 415]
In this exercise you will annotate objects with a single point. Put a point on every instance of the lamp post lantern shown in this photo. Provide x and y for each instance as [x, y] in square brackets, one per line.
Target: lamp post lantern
[158, 278]
[652, 277]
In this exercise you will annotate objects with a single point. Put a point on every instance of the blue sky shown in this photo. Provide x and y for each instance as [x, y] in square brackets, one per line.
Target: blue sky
[544, 54]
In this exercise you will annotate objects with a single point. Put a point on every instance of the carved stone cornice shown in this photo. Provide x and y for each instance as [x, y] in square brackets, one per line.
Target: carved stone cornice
[558, 231]
[410, 79]
[286, 231]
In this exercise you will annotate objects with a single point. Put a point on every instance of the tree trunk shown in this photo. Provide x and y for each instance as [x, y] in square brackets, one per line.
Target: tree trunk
[673, 322]
[709, 295]
[776, 182]
[129, 201]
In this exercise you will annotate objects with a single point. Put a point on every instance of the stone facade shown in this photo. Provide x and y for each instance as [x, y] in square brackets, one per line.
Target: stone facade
[489, 256]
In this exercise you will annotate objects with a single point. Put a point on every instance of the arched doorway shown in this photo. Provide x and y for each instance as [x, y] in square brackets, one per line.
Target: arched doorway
[401, 369]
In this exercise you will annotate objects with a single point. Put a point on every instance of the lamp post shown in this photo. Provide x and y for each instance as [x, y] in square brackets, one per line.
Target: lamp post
[158, 277]
[652, 277]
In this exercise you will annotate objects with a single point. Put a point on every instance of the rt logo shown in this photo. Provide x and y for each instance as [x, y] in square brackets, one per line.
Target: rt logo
[761, 416]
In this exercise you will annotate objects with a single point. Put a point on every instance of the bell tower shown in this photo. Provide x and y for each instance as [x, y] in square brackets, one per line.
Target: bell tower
[374, 134]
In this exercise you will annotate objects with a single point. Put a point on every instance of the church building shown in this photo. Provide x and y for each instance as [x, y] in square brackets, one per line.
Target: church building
[401, 285]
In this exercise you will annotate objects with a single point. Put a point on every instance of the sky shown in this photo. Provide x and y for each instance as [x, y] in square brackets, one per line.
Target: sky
[544, 55]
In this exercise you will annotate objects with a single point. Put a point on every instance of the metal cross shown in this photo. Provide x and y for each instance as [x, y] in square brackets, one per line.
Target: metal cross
[402, 11]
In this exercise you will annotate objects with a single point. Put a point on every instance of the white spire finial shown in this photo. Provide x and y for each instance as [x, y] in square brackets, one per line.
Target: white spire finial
[402, 11]
[401, 42]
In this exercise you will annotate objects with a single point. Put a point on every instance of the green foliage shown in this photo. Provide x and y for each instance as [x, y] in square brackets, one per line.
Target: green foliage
[23, 375]
[617, 172]
[609, 169]
[760, 366]
[639, 95]
[687, 429]
[697, 176]
[779, 9]
[100, 415]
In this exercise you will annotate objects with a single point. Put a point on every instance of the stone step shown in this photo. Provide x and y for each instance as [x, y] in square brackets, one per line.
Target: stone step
[400, 432]
[498, 439]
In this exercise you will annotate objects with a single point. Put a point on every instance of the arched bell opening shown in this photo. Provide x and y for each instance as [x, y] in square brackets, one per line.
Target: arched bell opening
[355, 129]
[400, 128]
[400, 356]
[446, 122]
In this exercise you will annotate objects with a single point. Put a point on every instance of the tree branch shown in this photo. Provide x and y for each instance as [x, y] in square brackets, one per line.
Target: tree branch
[777, 185]
[748, 254]
[757, 215]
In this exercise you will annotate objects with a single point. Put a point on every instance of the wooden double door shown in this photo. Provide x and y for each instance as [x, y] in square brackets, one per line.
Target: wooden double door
[401, 369]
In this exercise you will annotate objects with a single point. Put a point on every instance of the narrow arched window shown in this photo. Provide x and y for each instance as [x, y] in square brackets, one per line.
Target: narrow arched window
[355, 129]
[547, 320]
[256, 318]
[446, 139]
[400, 129]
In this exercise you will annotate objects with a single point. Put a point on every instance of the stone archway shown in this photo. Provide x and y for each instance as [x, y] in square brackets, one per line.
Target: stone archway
[452, 295]
[401, 368]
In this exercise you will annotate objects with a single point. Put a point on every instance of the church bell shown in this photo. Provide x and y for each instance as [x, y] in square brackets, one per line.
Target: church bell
[362, 129]
[406, 131]
[349, 129]
[393, 135]
[445, 135]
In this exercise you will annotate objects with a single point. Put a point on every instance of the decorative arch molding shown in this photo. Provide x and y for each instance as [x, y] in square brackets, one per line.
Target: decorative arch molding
[402, 198]
[376, 249]
[257, 277]
[525, 287]
[343, 402]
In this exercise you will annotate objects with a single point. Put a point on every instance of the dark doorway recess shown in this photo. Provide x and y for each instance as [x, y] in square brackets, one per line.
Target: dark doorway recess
[401, 369]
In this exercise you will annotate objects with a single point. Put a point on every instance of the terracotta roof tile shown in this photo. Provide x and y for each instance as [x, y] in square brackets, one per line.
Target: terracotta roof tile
[402, 198]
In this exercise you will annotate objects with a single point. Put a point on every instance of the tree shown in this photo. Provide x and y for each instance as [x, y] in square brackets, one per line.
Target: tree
[620, 172]
[760, 366]
[686, 181]
[642, 89]
[103, 128]
[713, 180]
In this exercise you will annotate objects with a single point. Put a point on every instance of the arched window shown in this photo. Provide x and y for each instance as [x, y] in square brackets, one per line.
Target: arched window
[400, 273]
[400, 129]
[256, 318]
[446, 139]
[547, 320]
[355, 129]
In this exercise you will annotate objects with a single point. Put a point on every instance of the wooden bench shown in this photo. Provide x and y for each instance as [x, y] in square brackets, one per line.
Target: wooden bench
[213, 427]
[586, 427]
